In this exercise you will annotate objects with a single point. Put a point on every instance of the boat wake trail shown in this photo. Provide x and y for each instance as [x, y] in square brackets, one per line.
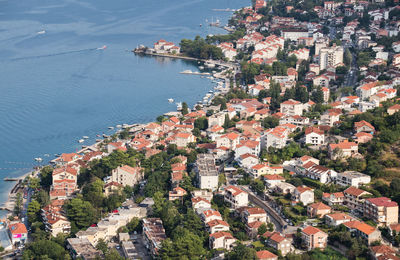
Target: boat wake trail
[53, 54]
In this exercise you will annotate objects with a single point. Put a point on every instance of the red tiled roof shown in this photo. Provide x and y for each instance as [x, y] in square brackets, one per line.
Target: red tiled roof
[17, 228]
[310, 230]
[265, 254]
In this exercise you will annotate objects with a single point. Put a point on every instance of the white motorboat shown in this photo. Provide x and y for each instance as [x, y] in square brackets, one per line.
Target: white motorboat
[119, 126]
[41, 32]
[81, 140]
[179, 106]
[85, 137]
[38, 159]
[111, 127]
[170, 100]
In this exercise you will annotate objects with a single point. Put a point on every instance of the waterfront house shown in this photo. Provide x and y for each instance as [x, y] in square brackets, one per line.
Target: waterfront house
[17, 232]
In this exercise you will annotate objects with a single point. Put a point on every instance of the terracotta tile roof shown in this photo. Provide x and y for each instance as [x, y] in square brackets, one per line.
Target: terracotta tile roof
[253, 211]
[312, 129]
[343, 145]
[273, 177]
[365, 228]
[255, 224]
[363, 123]
[302, 189]
[265, 254]
[395, 227]
[310, 230]
[354, 191]
[339, 216]
[17, 228]
[198, 199]
[319, 206]
[383, 201]
[217, 222]
[234, 190]
[220, 234]
[383, 249]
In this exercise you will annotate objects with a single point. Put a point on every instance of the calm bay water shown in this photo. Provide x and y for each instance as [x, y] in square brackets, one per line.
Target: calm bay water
[57, 87]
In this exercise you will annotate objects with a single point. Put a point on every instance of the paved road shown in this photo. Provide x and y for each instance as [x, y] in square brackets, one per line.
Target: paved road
[280, 224]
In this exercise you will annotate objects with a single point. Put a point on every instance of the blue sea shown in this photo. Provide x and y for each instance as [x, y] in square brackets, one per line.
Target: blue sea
[56, 87]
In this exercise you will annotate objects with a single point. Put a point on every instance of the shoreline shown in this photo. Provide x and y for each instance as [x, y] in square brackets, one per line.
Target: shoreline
[9, 204]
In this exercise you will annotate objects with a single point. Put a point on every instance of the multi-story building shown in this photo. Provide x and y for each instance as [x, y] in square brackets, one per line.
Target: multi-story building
[277, 241]
[126, 175]
[250, 215]
[352, 178]
[330, 57]
[292, 107]
[318, 209]
[303, 194]
[314, 136]
[222, 239]
[314, 238]
[154, 234]
[54, 218]
[342, 150]
[207, 173]
[381, 210]
[353, 198]
[236, 197]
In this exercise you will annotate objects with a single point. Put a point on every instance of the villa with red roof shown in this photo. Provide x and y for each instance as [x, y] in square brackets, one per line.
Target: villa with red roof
[222, 239]
[18, 233]
[278, 241]
[217, 225]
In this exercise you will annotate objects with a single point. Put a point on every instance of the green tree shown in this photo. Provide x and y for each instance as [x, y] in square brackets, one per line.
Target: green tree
[81, 213]
[241, 252]
[262, 229]
[185, 109]
[45, 249]
[102, 246]
[318, 95]
[33, 211]
[201, 123]
[113, 254]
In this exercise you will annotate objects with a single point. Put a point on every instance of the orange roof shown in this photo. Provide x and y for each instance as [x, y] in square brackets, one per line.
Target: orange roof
[217, 222]
[319, 206]
[273, 177]
[343, 145]
[17, 228]
[312, 129]
[363, 123]
[198, 199]
[234, 190]
[302, 189]
[365, 228]
[310, 230]
[395, 107]
[354, 191]
[265, 254]
[252, 211]
[221, 234]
